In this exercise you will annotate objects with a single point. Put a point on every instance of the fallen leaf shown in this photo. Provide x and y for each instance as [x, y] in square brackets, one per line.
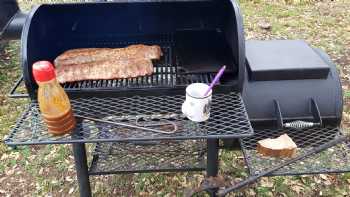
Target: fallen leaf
[10, 172]
[251, 192]
[71, 190]
[283, 194]
[323, 176]
[4, 156]
[327, 182]
[317, 180]
[69, 179]
[264, 25]
[2, 179]
[297, 188]
[265, 182]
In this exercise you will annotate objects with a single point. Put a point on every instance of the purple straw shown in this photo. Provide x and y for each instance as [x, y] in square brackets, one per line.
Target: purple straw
[216, 79]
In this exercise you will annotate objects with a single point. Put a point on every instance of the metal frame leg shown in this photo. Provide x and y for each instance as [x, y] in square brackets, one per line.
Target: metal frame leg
[82, 169]
[212, 161]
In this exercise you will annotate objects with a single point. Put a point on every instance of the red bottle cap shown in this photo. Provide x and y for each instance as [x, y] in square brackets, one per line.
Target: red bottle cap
[43, 71]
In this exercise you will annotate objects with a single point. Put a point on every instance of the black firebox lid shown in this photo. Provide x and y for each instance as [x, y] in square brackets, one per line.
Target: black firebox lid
[284, 60]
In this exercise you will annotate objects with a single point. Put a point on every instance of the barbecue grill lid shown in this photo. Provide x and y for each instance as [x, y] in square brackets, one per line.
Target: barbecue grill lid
[211, 49]
[284, 60]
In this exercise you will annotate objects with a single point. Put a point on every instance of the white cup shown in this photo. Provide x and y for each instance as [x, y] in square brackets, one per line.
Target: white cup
[197, 106]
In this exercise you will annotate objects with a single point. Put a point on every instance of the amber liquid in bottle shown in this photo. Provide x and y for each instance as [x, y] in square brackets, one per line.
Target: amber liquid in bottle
[55, 108]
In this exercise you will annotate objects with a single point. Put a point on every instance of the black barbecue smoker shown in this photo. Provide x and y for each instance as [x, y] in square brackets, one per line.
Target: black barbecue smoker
[269, 88]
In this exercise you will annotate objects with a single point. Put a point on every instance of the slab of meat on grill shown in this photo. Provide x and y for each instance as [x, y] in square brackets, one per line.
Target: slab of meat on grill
[106, 63]
[109, 69]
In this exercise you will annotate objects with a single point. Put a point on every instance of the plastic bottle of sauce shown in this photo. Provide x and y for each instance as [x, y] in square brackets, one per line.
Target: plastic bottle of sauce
[54, 103]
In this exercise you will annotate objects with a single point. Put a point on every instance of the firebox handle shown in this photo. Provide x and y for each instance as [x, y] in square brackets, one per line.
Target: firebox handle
[299, 124]
[316, 112]
[278, 114]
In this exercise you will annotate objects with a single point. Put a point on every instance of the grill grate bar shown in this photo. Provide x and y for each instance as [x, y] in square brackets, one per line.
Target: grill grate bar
[165, 70]
[163, 75]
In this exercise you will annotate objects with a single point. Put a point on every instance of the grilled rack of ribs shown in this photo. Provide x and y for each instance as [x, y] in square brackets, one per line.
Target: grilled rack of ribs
[106, 63]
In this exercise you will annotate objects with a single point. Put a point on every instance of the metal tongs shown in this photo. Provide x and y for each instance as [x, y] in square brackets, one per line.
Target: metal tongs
[137, 124]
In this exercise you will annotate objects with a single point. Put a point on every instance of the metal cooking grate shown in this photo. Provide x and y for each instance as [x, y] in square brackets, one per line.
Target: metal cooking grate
[121, 157]
[165, 73]
[335, 159]
[228, 119]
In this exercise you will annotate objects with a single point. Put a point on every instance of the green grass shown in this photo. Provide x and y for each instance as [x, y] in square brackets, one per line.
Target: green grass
[49, 170]
[264, 191]
[347, 94]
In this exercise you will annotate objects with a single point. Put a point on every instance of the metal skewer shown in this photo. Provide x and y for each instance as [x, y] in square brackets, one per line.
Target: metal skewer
[129, 125]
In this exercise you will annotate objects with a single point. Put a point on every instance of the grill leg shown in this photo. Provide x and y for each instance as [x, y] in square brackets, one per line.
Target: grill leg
[82, 169]
[212, 161]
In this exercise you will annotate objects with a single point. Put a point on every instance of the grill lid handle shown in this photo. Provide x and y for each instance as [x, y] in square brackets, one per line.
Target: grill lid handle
[11, 20]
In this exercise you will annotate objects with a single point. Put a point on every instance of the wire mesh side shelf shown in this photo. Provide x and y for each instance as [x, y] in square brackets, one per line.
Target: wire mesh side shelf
[228, 119]
[122, 157]
[333, 160]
